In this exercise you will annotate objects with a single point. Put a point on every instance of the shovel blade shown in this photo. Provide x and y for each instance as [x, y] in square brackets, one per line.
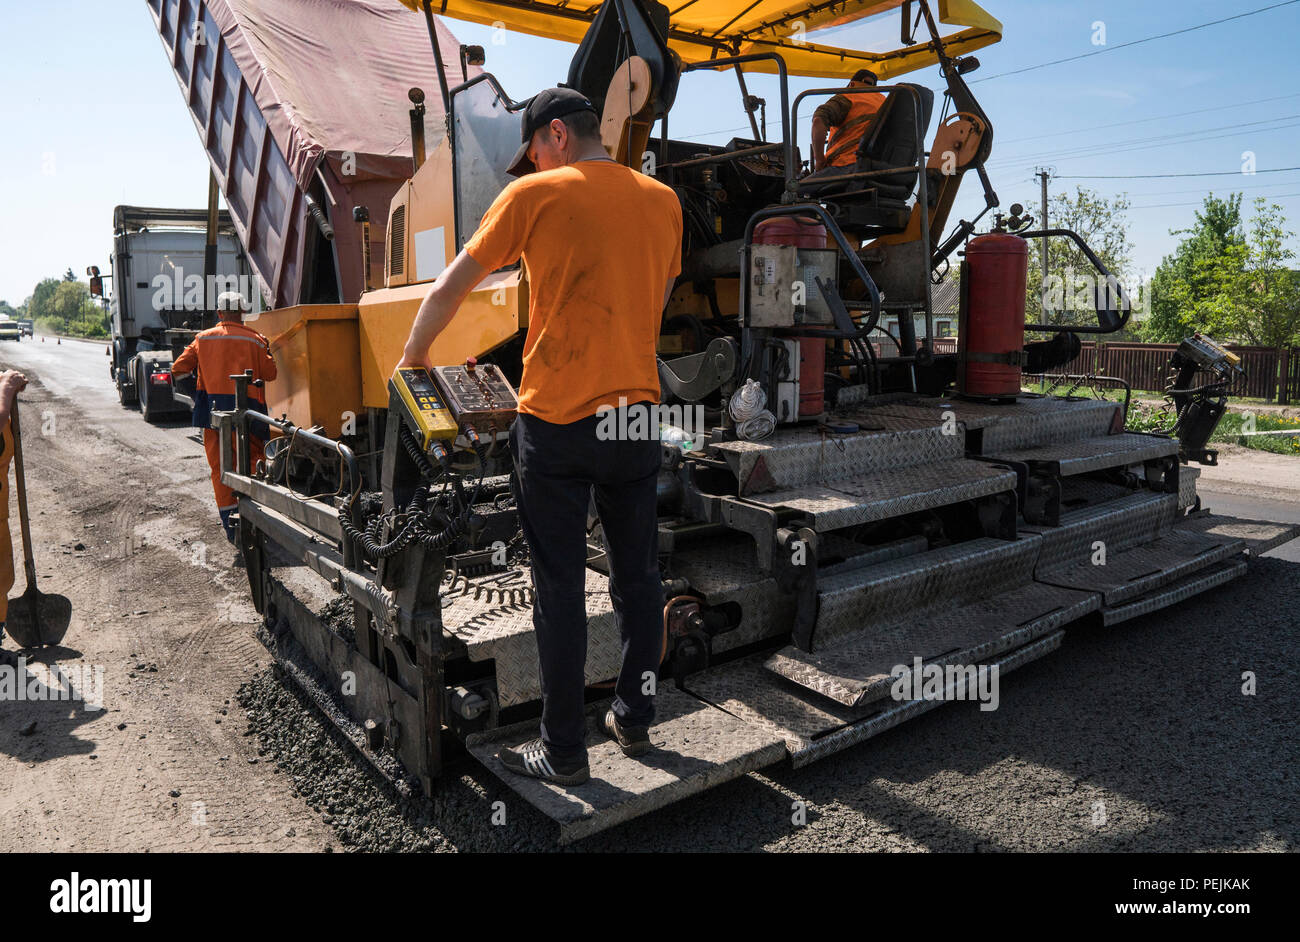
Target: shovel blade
[36, 619]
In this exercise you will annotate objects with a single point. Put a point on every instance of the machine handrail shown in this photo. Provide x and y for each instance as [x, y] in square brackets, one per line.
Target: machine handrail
[1109, 316]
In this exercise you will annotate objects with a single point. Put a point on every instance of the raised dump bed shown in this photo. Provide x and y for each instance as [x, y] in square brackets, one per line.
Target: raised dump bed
[286, 128]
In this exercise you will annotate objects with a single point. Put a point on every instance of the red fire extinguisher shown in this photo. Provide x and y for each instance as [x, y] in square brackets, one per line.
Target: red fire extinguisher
[991, 337]
[803, 233]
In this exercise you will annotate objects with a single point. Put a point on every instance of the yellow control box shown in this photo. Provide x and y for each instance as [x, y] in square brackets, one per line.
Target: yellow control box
[424, 405]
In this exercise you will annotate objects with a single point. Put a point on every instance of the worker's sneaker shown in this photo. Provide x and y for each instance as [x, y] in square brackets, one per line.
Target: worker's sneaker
[536, 761]
[633, 740]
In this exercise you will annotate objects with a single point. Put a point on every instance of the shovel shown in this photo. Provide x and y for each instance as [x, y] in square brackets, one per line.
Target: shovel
[34, 619]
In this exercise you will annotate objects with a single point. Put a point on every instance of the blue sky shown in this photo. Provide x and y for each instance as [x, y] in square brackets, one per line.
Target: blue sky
[92, 116]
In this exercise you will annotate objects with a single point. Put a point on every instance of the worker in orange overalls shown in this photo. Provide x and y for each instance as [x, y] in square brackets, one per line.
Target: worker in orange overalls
[218, 353]
[11, 383]
[844, 117]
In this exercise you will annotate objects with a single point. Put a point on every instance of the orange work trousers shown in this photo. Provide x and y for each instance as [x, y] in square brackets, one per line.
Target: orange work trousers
[226, 499]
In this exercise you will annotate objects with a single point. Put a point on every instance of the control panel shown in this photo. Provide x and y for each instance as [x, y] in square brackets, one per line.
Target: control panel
[426, 409]
[478, 395]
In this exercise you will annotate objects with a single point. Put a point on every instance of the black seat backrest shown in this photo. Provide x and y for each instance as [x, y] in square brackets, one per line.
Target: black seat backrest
[891, 139]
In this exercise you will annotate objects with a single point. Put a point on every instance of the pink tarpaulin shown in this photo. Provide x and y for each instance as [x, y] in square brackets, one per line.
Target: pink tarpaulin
[325, 83]
[331, 76]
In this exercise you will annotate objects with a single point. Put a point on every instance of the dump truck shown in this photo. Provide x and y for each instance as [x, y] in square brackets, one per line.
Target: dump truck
[836, 521]
[165, 268]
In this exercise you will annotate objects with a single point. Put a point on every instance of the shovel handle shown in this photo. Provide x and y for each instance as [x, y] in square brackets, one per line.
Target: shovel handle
[29, 564]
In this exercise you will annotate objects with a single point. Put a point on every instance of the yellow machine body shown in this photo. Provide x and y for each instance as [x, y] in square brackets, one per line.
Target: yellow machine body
[317, 355]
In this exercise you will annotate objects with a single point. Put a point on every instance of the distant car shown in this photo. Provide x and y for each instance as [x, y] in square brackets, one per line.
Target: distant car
[10, 330]
[28, 326]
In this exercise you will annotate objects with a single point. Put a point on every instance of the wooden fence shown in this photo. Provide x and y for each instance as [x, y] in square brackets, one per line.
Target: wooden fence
[1271, 373]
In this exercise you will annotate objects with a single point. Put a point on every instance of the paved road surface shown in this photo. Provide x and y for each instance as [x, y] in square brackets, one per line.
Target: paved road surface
[1133, 738]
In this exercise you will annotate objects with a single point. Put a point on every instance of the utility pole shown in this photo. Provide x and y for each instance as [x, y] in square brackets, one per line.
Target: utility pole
[1043, 173]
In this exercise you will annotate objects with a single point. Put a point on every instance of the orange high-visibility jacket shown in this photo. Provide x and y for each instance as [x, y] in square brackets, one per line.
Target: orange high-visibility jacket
[218, 353]
[842, 145]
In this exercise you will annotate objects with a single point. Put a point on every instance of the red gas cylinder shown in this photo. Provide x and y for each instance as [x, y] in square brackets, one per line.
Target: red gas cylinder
[804, 232]
[992, 330]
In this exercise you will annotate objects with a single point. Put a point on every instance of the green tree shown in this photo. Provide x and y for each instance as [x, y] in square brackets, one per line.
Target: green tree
[38, 305]
[1230, 279]
[1189, 276]
[8, 310]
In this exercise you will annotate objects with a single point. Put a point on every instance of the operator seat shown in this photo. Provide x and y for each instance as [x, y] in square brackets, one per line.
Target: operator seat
[874, 206]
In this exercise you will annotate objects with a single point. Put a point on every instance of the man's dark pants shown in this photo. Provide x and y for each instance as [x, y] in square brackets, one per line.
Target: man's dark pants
[557, 470]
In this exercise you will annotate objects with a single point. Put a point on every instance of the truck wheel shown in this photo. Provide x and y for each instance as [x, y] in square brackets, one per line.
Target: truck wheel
[126, 394]
[142, 390]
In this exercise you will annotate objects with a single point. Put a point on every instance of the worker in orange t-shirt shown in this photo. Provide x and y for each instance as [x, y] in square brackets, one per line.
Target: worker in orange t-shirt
[845, 118]
[218, 353]
[601, 243]
[11, 384]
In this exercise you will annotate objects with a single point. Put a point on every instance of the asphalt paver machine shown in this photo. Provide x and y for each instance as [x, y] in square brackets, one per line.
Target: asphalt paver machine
[842, 504]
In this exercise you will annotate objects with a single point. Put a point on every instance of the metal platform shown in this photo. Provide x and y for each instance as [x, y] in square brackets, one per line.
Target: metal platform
[492, 622]
[891, 493]
[869, 599]
[1028, 422]
[800, 457]
[859, 670]
[697, 747]
[1136, 518]
[1095, 454]
[1139, 570]
[1200, 581]
[1259, 536]
[814, 727]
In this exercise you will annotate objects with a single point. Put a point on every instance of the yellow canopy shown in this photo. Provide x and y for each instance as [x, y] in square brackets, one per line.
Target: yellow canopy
[706, 29]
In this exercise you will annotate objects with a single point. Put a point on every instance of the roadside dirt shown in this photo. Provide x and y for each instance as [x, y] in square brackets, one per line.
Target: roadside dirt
[166, 764]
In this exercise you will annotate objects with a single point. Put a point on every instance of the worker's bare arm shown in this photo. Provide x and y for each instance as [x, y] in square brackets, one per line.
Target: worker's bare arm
[11, 384]
[444, 298]
[819, 132]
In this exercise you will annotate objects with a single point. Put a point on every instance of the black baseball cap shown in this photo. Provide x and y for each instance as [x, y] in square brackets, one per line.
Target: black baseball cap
[548, 104]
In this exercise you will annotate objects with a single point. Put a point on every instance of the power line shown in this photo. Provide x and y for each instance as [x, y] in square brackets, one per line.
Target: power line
[1158, 117]
[1154, 176]
[1235, 189]
[1138, 42]
[1275, 196]
[1138, 143]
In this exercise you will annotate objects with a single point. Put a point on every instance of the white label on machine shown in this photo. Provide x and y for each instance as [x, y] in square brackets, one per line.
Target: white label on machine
[430, 253]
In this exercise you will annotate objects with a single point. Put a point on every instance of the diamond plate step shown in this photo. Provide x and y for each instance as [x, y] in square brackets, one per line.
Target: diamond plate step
[697, 747]
[1131, 520]
[1026, 423]
[803, 456]
[860, 670]
[891, 493]
[494, 621]
[1260, 536]
[1094, 454]
[813, 727]
[1194, 584]
[866, 599]
[1143, 569]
